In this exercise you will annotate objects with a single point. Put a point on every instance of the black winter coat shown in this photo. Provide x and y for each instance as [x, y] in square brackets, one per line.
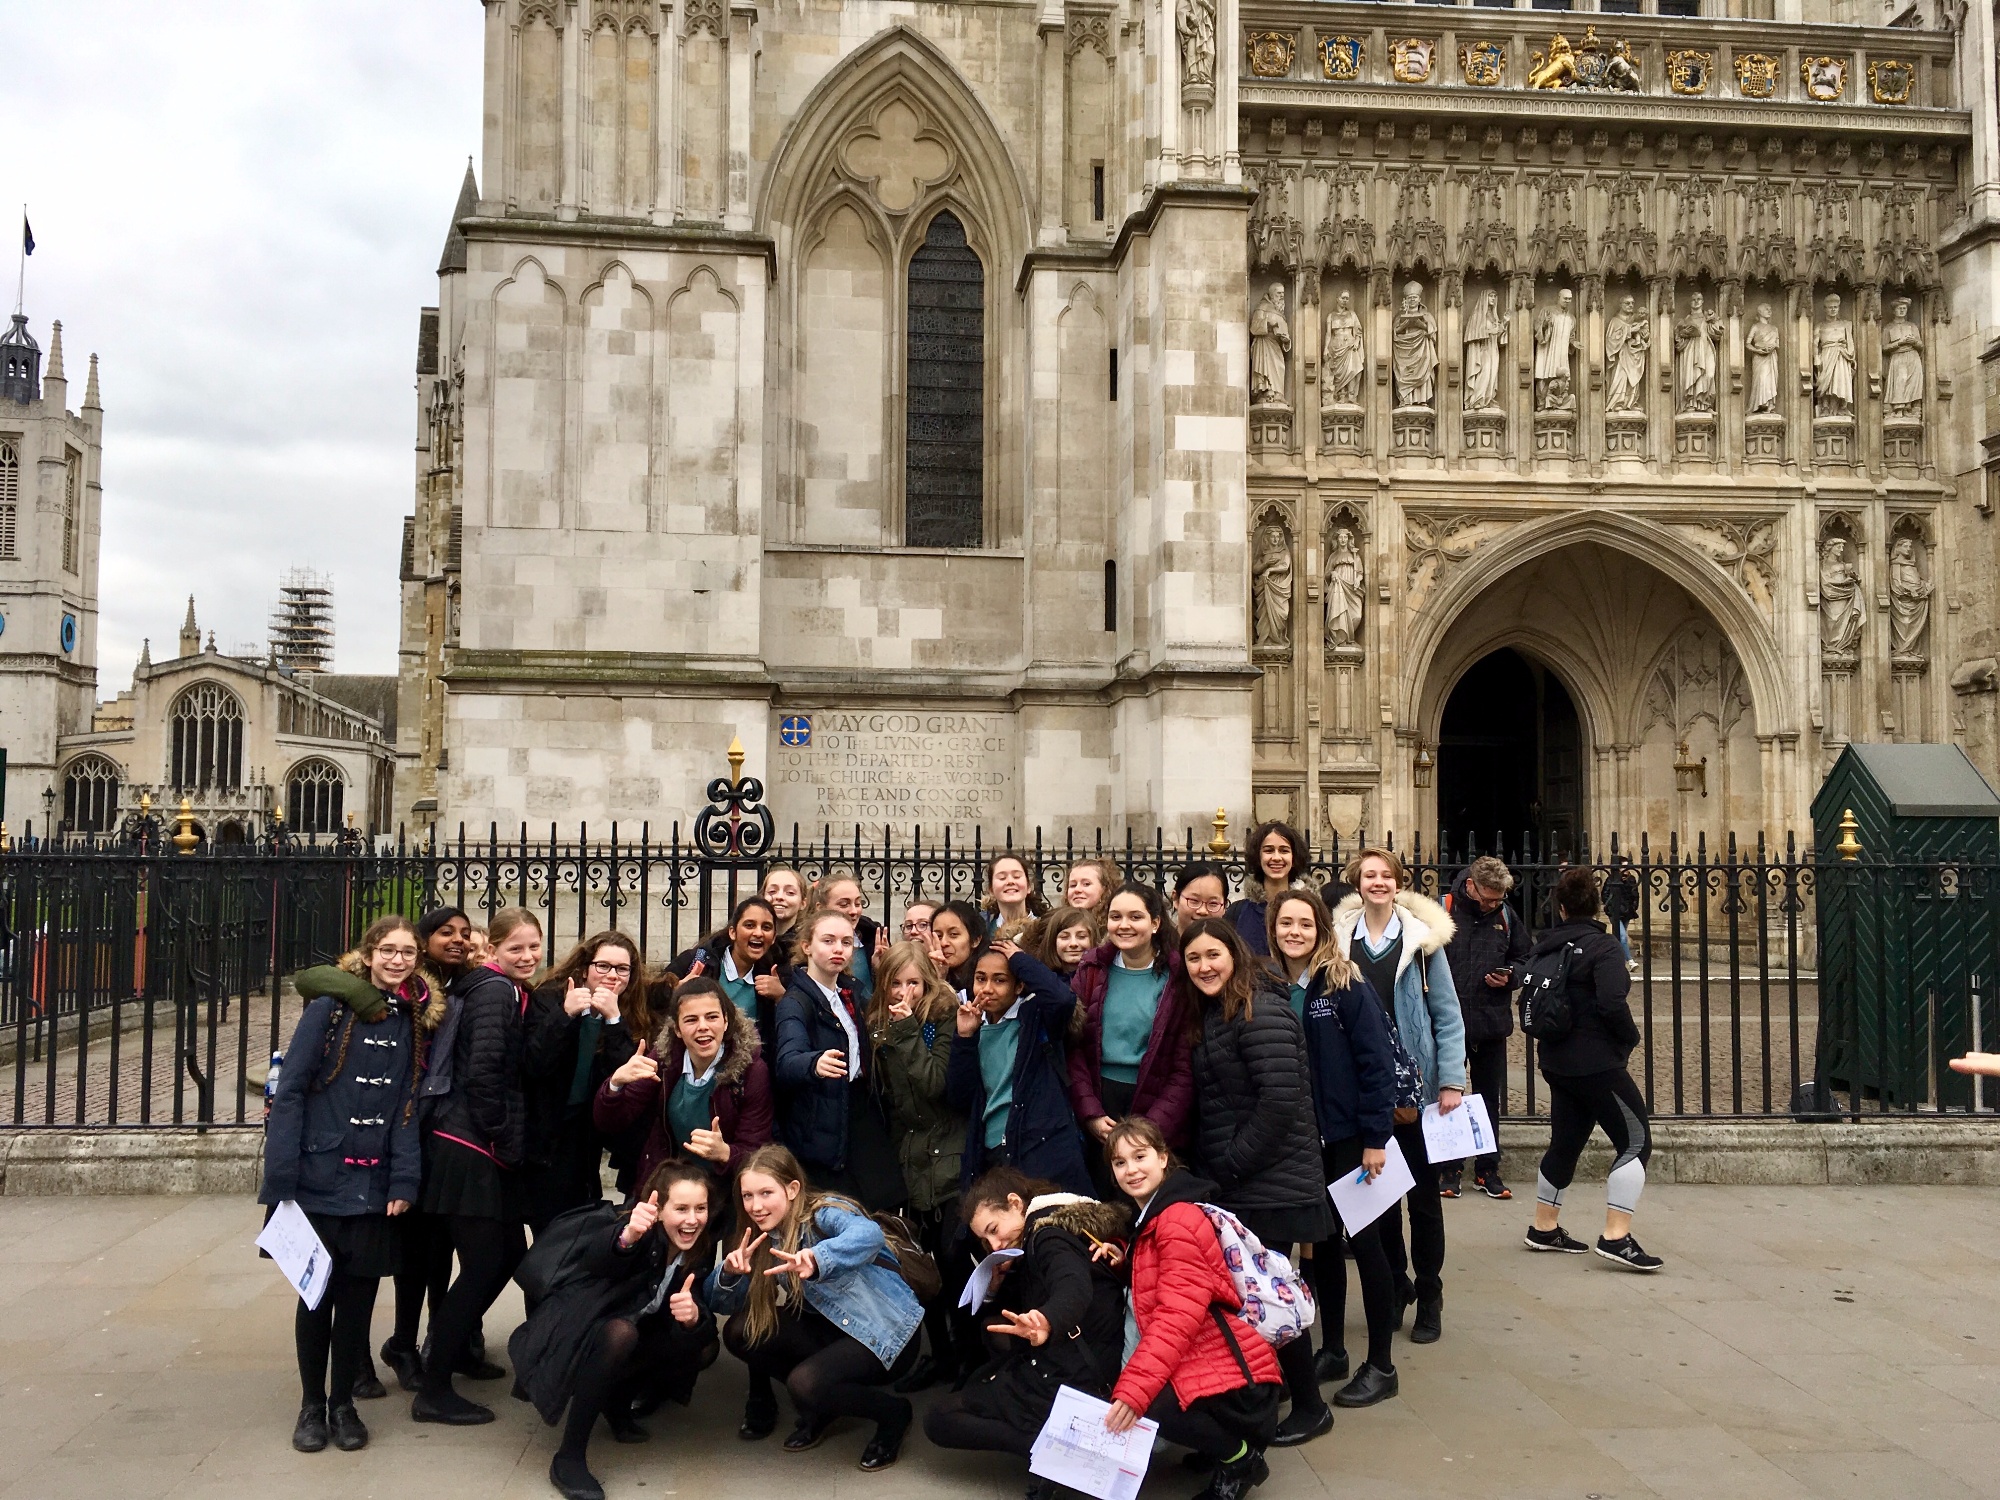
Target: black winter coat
[1042, 1135]
[548, 1349]
[1603, 1034]
[1350, 1062]
[812, 1111]
[706, 959]
[1084, 1301]
[485, 1107]
[1480, 943]
[548, 1068]
[1253, 1109]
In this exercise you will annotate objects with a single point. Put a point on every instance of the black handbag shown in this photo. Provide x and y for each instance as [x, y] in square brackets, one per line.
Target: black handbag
[556, 1259]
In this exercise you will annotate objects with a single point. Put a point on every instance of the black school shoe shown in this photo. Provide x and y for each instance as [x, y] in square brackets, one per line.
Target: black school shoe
[1235, 1479]
[1330, 1364]
[884, 1448]
[1557, 1239]
[1626, 1253]
[450, 1408]
[1302, 1426]
[403, 1360]
[309, 1436]
[1368, 1386]
[1429, 1326]
[573, 1479]
[626, 1428]
[760, 1420]
[807, 1435]
[368, 1386]
[350, 1433]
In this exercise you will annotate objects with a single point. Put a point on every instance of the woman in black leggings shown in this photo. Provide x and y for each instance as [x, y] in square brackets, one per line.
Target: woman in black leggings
[811, 1303]
[473, 1155]
[1588, 1083]
[632, 1328]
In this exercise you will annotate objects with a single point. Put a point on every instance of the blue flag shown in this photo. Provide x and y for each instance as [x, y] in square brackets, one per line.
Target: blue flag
[27, 236]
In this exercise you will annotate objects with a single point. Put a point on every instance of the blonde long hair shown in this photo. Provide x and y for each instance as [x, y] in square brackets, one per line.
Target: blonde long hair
[760, 1314]
[936, 1004]
[1328, 957]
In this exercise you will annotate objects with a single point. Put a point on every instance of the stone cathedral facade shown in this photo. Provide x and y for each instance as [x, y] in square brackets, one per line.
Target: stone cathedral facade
[1437, 418]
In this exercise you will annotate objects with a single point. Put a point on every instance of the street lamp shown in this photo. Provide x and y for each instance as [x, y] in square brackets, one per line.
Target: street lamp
[1690, 775]
[49, 809]
[1423, 765]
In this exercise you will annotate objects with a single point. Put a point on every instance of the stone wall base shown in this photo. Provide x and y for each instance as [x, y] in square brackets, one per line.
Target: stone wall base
[1963, 1152]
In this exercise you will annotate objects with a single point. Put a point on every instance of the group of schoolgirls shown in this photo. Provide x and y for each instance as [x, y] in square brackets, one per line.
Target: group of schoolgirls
[1099, 1087]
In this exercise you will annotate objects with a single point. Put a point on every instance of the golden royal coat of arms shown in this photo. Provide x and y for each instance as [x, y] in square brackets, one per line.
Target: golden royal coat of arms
[1483, 63]
[1825, 78]
[1271, 53]
[1342, 57]
[1892, 81]
[1411, 59]
[1689, 70]
[1756, 75]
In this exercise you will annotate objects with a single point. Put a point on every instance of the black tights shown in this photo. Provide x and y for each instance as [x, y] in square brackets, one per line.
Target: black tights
[1371, 1261]
[488, 1251]
[1219, 1426]
[949, 1425]
[338, 1327]
[953, 1332]
[426, 1273]
[828, 1373]
[626, 1356]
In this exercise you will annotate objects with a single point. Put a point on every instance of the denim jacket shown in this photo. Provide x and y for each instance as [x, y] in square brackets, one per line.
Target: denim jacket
[857, 1289]
[1425, 1003]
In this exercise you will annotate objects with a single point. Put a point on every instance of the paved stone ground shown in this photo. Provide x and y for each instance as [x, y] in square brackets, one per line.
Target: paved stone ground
[1823, 1342]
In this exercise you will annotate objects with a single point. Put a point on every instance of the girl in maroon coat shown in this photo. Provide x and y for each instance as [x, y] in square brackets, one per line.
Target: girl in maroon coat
[701, 1083]
[1206, 1376]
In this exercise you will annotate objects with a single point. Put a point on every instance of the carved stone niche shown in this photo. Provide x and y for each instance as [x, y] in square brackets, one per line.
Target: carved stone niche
[1694, 436]
[1764, 438]
[1625, 435]
[1833, 441]
[1555, 434]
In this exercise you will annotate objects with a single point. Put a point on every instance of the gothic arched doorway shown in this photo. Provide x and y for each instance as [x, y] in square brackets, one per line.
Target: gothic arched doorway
[1510, 761]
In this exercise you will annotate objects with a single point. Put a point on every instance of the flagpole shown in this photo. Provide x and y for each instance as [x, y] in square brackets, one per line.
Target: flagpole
[21, 282]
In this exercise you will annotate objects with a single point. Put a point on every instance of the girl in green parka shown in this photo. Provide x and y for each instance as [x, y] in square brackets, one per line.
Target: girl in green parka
[910, 1024]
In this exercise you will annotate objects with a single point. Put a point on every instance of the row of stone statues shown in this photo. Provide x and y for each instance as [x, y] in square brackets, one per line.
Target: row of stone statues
[1628, 340]
[1843, 607]
[1271, 589]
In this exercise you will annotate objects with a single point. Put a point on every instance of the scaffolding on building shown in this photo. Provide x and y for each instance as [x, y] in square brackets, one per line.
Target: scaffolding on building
[302, 622]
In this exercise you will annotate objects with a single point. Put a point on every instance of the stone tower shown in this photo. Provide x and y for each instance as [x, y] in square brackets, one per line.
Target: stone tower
[49, 507]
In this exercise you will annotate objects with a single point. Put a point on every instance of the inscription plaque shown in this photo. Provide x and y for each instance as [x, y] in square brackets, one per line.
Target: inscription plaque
[897, 766]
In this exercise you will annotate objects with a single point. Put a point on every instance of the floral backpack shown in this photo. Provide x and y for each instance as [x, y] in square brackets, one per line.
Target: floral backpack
[1275, 1300]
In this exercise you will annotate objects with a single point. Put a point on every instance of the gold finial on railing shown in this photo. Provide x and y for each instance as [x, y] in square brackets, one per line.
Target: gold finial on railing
[735, 759]
[1219, 845]
[185, 838]
[1849, 847]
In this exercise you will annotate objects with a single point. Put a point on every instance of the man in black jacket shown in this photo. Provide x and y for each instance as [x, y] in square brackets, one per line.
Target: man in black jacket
[1485, 951]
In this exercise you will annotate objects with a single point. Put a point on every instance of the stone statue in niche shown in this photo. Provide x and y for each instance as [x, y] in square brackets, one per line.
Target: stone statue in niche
[1195, 23]
[1485, 337]
[1270, 349]
[1271, 588]
[1761, 343]
[1555, 344]
[1415, 340]
[1842, 611]
[1694, 358]
[1628, 339]
[1344, 578]
[1346, 357]
[1902, 364]
[1833, 364]
[1909, 597]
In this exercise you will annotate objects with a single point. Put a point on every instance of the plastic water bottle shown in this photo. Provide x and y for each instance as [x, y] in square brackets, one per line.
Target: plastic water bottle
[271, 1080]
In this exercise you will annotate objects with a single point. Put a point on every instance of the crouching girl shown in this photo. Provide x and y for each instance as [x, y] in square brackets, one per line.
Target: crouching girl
[1206, 1376]
[634, 1325]
[1058, 1316]
[342, 1142]
[814, 1301]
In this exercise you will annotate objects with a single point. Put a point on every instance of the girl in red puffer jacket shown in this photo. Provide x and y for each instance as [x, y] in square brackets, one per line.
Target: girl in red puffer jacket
[1206, 1376]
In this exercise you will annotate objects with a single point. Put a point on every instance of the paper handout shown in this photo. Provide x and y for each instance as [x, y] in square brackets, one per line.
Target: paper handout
[1466, 1131]
[979, 1286]
[1076, 1449]
[1362, 1202]
[290, 1240]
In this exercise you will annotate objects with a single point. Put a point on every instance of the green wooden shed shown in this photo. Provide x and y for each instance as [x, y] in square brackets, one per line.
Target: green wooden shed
[1909, 921]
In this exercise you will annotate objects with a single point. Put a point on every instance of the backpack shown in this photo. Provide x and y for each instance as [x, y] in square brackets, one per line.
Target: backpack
[1545, 1010]
[1274, 1296]
[916, 1265]
[556, 1259]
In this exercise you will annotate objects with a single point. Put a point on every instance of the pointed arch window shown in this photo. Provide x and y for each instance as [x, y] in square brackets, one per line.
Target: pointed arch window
[10, 497]
[945, 374]
[90, 795]
[208, 739]
[314, 793]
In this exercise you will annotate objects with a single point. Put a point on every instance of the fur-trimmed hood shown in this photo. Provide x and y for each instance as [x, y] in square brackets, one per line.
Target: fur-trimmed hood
[739, 1049]
[1428, 924]
[430, 1014]
[1080, 1216]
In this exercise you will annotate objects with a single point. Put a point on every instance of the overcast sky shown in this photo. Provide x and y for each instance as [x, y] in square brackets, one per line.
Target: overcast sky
[238, 206]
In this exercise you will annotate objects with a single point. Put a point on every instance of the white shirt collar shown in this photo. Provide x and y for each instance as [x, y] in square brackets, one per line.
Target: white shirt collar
[687, 1067]
[730, 972]
[840, 1014]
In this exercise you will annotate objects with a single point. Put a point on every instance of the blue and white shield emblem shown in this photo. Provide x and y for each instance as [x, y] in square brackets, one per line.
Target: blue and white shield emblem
[795, 730]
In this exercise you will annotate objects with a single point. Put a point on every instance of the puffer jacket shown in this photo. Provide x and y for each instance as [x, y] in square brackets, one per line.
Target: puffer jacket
[912, 1057]
[813, 1110]
[740, 1098]
[1603, 1033]
[1165, 1090]
[1253, 1098]
[343, 1136]
[1425, 1004]
[1042, 1137]
[1083, 1299]
[1481, 943]
[1190, 1333]
[485, 1108]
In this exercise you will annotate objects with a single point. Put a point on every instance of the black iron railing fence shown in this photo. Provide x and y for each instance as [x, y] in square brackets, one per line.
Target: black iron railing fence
[142, 986]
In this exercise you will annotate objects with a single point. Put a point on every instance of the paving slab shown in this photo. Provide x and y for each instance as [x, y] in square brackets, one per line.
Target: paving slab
[1802, 1342]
